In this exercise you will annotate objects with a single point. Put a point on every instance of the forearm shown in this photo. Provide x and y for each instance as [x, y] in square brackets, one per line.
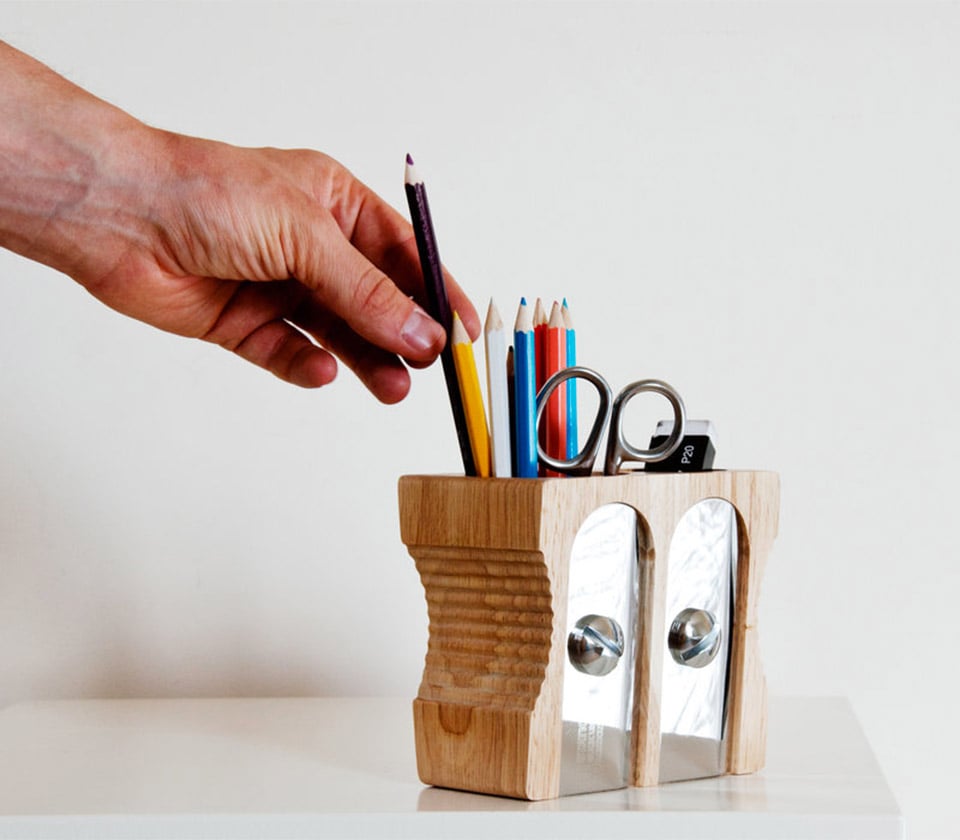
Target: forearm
[253, 249]
[72, 170]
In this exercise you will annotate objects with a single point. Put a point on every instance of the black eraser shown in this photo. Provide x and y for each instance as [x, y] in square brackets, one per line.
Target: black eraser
[695, 452]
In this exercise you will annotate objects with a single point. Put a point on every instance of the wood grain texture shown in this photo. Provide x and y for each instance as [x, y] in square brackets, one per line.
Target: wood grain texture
[493, 557]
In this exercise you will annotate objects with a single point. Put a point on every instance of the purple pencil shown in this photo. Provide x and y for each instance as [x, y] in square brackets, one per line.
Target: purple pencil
[437, 303]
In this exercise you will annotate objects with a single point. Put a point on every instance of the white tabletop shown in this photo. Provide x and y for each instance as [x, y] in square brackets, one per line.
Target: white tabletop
[341, 767]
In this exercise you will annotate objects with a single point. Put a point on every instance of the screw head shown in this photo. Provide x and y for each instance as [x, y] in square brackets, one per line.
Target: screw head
[694, 638]
[595, 645]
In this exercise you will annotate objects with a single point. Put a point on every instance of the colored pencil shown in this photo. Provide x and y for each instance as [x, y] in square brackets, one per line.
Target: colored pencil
[437, 303]
[540, 335]
[512, 398]
[573, 434]
[498, 399]
[472, 397]
[525, 391]
[556, 411]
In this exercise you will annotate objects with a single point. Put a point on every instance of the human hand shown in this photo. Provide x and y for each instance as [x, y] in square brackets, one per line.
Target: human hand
[252, 249]
[342, 263]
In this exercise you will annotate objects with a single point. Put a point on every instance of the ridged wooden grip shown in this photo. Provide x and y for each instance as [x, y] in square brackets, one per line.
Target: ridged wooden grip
[491, 617]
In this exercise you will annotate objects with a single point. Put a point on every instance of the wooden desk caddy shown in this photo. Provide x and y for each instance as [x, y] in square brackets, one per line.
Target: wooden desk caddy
[492, 555]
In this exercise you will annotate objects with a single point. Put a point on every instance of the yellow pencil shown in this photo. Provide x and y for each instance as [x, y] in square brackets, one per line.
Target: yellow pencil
[471, 395]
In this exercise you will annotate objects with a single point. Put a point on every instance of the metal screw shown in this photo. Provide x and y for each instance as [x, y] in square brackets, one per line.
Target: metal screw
[595, 645]
[694, 638]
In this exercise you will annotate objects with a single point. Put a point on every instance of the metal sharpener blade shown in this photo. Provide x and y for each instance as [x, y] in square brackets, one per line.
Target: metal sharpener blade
[699, 618]
[602, 606]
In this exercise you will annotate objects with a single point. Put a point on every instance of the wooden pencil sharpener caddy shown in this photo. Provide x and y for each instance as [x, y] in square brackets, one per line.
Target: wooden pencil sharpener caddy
[507, 596]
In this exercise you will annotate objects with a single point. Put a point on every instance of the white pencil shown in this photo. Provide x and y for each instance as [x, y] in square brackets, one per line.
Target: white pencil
[498, 397]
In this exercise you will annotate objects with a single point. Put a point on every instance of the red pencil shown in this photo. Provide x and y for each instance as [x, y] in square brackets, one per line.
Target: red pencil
[539, 339]
[555, 344]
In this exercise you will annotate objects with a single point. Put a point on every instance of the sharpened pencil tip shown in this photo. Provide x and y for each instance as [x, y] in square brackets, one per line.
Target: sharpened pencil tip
[556, 317]
[539, 313]
[410, 175]
[524, 322]
[458, 332]
[494, 321]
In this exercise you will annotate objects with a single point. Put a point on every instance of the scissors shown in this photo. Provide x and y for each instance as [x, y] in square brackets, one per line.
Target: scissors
[619, 449]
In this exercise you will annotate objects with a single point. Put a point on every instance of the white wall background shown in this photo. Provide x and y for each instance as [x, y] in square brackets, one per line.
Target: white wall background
[758, 203]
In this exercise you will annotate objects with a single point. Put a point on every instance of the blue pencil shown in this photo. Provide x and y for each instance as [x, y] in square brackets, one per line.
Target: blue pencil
[573, 443]
[525, 387]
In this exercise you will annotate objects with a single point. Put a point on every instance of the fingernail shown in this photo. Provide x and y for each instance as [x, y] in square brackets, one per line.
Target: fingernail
[420, 331]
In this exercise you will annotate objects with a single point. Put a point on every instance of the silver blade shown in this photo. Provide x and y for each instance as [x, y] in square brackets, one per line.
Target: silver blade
[701, 570]
[603, 586]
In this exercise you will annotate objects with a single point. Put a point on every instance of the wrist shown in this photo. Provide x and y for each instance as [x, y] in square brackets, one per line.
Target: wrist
[72, 170]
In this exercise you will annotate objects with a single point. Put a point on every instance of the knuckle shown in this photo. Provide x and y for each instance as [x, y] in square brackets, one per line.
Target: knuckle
[221, 329]
[376, 296]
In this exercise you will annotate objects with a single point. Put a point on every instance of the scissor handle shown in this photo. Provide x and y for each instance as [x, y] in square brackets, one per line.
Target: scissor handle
[619, 448]
[581, 463]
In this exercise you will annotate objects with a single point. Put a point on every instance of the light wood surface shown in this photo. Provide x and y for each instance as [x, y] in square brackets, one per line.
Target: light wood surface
[493, 557]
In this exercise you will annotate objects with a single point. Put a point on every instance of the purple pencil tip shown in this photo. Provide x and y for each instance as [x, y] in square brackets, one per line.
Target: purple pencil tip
[409, 160]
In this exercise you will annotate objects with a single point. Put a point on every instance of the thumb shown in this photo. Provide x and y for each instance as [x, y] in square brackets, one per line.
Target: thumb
[364, 296]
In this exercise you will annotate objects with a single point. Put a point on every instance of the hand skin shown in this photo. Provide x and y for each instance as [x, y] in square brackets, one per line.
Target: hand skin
[251, 249]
